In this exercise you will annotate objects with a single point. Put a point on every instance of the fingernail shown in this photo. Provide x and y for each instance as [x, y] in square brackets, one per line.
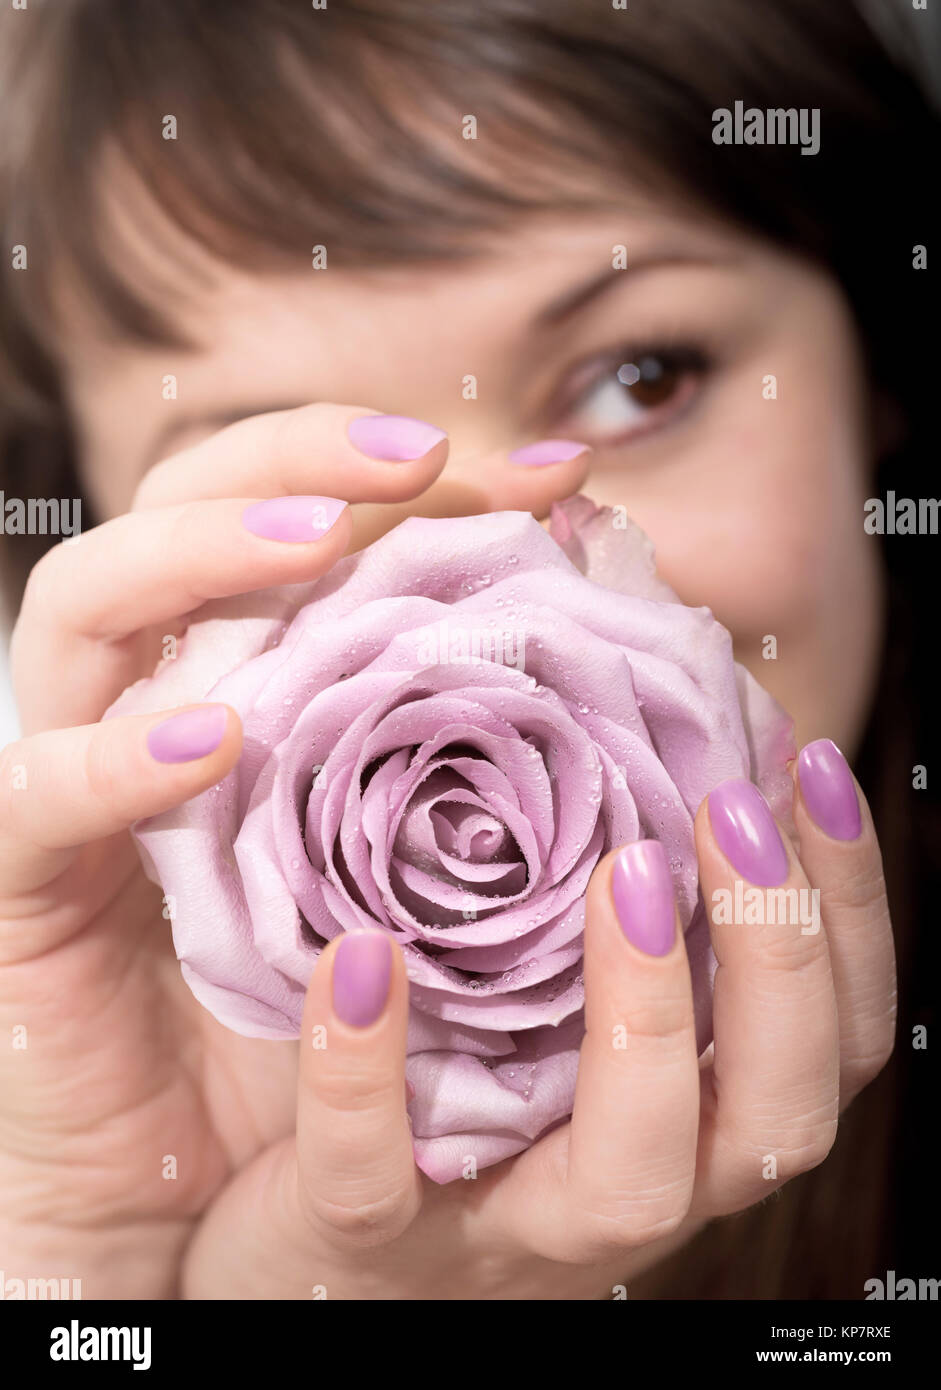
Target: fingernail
[362, 969]
[185, 737]
[292, 518]
[828, 790]
[547, 451]
[643, 897]
[746, 833]
[393, 438]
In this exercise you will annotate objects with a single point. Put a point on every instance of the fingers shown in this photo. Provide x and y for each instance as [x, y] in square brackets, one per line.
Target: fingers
[840, 853]
[346, 451]
[528, 479]
[357, 1181]
[187, 541]
[343, 451]
[61, 789]
[622, 1173]
[76, 613]
[771, 1098]
[305, 1213]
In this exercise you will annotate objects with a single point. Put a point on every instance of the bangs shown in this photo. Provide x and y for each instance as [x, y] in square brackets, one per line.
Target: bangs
[257, 132]
[346, 128]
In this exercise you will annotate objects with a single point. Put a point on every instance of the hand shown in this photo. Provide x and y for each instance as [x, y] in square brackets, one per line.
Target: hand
[125, 1109]
[658, 1143]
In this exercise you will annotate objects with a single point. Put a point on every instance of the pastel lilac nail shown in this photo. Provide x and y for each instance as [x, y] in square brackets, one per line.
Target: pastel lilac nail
[746, 833]
[362, 969]
[195, 733]
[393, 438]
[292, 518]
[828, 790]
[547, 451]
[643, 897]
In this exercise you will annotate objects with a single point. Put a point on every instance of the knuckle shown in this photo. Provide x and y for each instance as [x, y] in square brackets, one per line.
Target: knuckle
[360, 1222]
[819, 1145]
[13, 758]
[349, 1091]
[862, 890]
[809, 1153]
[39, 595]
[150, 486]
[794, 1151]
[104, 773]
[611, 1226]
[632, 1229]
[664, 1020]
[864, 1066]
[747, 1177]
[161, 484]
[188, 537]
[290, 432]
[788, 949]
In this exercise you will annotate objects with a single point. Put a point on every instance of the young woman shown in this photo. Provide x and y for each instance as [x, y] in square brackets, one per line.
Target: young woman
[512, 220]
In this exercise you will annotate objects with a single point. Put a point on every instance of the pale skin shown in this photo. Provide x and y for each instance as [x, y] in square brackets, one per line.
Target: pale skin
[294, 1164]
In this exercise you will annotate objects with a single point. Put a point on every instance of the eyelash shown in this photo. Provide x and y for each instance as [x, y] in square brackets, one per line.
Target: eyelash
[687, 362]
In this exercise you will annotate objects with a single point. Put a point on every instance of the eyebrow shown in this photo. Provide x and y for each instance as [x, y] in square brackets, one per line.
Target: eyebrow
[573, 300]
[559, 310]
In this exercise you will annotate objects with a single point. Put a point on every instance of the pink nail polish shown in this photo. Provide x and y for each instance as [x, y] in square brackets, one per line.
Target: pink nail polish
[292, 518]
[393, 438]
[547, 451]
[195, 733]
[746, 832]
[642, 890]
[828, 790]
[362, 969]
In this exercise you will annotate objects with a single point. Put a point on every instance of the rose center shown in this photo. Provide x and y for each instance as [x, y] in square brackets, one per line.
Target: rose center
[472, 835]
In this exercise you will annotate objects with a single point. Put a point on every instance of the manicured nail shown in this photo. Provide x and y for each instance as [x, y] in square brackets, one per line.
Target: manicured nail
[393, 438]
[185, 737]
[362, 969]
[292, 518]
[828, 790]
[643, 897]
[745, 832]
[547, 451]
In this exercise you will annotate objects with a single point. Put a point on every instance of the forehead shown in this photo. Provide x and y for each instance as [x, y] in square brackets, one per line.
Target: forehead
[503, 276]
[393, 338]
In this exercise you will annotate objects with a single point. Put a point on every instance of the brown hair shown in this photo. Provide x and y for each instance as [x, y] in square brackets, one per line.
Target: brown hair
[342, 126]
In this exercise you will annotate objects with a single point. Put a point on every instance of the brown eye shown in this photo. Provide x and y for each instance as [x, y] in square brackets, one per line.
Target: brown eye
[652, 381]
[633, 393]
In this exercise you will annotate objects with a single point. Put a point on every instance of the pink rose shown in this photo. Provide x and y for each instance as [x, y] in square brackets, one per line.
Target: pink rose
[442, 738]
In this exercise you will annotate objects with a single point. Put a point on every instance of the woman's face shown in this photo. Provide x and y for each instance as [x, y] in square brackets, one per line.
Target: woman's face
[743, 450]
